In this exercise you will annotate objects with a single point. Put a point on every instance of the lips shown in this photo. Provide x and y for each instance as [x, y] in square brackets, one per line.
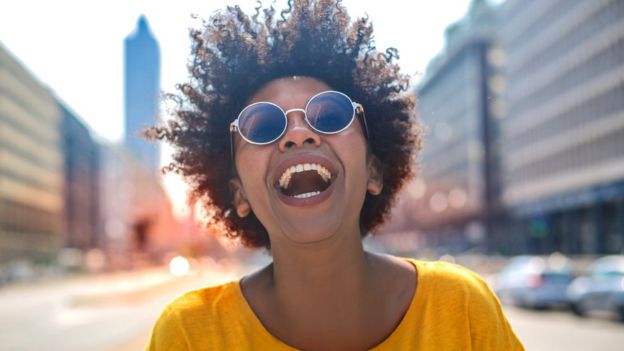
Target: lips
[304, 180]
[313, 172]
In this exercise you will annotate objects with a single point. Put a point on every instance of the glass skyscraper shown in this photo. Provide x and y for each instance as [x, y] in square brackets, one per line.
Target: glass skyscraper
[142, 92]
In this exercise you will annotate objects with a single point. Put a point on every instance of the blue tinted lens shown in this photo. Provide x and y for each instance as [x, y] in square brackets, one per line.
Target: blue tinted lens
[262, 122]
[330, 112]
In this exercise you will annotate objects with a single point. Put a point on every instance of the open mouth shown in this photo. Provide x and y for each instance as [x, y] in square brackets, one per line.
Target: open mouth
[304, 180]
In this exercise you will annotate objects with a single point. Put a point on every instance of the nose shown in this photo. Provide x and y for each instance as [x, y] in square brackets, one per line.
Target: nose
[298, 132]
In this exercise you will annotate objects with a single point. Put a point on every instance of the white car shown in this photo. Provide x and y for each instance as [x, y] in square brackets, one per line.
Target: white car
[534, 281]
[602, 289]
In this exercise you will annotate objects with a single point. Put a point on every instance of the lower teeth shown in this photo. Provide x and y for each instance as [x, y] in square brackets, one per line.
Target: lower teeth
[306, 195]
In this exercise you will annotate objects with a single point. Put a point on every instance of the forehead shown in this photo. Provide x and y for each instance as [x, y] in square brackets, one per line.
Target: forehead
[289, 89]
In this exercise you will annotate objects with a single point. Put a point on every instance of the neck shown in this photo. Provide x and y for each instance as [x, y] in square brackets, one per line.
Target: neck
[322, 271]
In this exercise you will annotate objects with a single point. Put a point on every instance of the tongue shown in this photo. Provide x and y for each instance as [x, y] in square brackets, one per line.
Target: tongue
[305, 182]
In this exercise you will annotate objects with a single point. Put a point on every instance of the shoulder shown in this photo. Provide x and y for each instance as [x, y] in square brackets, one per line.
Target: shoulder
[461, 295]
[457, 285]
[201, 308]
[198, 300]
[451, 275]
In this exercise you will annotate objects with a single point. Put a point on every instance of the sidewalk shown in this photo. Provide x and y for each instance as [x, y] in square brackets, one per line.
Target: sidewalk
[102, 312]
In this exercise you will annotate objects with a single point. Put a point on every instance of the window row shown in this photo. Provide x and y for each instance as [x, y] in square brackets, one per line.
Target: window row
[602, 63]
[604, 105]
[579, 157]
[608, 15]
[18, 217]
[539, 21]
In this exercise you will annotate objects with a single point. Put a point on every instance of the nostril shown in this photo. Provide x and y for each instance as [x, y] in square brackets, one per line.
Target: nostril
[289, 144]
[309, 141]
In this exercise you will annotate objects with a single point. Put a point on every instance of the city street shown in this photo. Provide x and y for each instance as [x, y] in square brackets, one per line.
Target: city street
[115, 312]
[109, 312]
[157, 153]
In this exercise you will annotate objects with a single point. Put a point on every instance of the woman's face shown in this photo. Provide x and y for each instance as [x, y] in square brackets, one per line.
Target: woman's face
[322, 198]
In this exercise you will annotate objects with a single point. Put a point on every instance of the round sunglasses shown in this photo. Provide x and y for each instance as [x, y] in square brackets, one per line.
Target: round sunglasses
[329, 112]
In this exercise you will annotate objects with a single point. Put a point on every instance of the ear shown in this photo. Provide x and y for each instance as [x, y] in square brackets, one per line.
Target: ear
[375, 176]
[240, 199]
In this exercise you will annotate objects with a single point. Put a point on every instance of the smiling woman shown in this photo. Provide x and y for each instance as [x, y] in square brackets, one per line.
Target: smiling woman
[297, 134]
[236, 55]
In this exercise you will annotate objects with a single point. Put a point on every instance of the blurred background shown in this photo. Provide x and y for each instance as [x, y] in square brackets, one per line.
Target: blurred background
[521, 177]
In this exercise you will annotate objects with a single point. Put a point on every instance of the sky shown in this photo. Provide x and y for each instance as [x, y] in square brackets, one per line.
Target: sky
[76, 47]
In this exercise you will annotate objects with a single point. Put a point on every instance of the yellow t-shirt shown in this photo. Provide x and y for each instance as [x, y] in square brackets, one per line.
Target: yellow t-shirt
[452, 309]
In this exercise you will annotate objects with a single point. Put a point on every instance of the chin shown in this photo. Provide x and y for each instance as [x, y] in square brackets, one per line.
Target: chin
[310, 233]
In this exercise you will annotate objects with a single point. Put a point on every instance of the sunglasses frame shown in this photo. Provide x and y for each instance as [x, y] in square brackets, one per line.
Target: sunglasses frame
[357, 109]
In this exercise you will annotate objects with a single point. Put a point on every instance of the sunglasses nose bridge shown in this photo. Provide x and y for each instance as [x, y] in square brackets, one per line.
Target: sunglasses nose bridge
[294, 110]
[296, 120]
[298, 132]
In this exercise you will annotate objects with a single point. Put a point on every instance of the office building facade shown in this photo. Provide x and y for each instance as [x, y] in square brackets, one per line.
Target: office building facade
[458, 101]
[137, 219]
[563, 135]
[81, 195]
[31, 166]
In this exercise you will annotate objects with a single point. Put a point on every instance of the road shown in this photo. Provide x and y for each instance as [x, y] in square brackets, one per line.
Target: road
[100, 313]
[561, 330]
[116, 313]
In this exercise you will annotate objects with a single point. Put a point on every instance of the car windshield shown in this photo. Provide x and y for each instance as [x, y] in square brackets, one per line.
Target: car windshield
[557, 276]
[609, 267]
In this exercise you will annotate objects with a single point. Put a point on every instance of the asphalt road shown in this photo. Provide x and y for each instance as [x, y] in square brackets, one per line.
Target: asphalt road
[116, 313]
[560, 330]
[100, 313]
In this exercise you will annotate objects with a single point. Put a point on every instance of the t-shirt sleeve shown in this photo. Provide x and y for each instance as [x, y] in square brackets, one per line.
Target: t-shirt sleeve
[168, 333]
[490, 329]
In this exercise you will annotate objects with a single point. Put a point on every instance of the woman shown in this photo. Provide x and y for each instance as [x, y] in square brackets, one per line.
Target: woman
[294, 132]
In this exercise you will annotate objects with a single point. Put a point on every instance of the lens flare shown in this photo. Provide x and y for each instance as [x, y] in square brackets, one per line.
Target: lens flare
[179, 266]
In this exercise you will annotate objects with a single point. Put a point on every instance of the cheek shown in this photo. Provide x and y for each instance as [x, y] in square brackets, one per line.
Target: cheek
[251, 164]
[353, 145]
[350, 147]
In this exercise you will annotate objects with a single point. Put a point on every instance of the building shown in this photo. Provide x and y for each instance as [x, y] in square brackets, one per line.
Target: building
[32, 221]
[563, 135]
[137, 217]
[455, 195]
[142, 92]
[81, 195]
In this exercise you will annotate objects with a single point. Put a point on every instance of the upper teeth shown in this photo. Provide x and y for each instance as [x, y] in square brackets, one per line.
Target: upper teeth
[284, 180]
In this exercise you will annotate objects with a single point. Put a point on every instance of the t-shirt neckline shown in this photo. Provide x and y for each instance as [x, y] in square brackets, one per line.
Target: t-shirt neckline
[411, 309]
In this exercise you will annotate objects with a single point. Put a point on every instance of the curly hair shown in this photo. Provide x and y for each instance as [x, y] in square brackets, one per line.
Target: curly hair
[235, 54]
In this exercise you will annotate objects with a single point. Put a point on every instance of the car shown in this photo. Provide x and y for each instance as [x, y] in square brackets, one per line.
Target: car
[601, 289]
[534, 281]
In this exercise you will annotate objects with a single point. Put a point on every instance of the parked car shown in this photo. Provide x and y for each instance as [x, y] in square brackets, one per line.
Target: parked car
[534, 281]
[602, 289]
